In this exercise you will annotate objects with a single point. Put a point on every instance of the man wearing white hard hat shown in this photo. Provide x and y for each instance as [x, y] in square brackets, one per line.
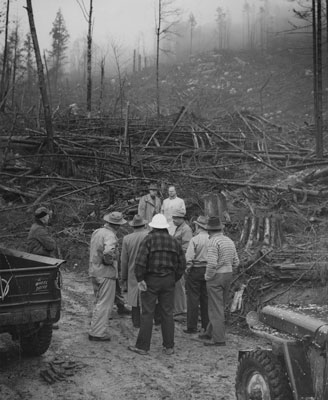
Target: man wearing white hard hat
[103, 270]
[159, 264]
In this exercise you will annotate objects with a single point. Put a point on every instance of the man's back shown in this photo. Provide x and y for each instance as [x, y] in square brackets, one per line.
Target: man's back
[130, 247]
[159, 254]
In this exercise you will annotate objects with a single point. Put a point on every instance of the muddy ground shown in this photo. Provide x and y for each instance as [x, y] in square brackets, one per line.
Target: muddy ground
[84, 370]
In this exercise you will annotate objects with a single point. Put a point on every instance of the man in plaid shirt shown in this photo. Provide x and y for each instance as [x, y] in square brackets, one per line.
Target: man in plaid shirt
[159, 264]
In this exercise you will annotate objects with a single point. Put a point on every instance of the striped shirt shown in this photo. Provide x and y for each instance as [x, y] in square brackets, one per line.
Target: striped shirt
[196, 254]
[221, 255]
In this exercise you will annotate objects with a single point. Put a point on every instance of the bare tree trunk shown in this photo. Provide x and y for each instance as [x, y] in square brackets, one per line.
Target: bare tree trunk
[89, 60]
[158, 33]
[134, 60]
[3, 91]
[14, 71]
[42, 84]
[317, 74]
[319, 113]
[139, 62]
[102, 77]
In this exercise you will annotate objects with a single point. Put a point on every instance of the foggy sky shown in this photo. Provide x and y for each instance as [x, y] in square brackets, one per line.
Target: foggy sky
[125, 21]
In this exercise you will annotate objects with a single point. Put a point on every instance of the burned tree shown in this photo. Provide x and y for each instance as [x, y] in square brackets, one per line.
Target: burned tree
[88, 17]
[166, 19]
[42, 83]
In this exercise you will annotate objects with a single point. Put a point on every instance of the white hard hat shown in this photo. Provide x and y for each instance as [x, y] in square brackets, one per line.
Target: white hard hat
[159, 222]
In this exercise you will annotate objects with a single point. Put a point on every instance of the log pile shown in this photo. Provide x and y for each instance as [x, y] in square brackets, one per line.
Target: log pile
[107, 163]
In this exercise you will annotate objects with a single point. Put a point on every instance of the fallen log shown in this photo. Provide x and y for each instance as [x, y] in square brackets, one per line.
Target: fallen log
[44, 194]
[17, 191]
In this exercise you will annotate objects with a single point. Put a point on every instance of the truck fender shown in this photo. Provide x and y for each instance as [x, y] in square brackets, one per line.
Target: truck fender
[246, 351]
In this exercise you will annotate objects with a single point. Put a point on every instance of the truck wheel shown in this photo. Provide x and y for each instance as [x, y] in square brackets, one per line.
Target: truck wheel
[38, 343]
[261, 376]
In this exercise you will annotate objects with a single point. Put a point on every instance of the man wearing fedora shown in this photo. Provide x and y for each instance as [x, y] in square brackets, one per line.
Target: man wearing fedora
[183, 235]
[196, 257]
[39, 240]
[159, 264]
[130, 247]
[222, 257]
[103, 270]
[150, 204]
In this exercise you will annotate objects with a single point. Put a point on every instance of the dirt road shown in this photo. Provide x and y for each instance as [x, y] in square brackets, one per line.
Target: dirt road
[78, 369]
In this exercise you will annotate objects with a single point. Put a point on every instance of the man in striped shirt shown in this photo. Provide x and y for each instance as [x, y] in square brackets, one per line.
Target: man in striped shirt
[221, 259]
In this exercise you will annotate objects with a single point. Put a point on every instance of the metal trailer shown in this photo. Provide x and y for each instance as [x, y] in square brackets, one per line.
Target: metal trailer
[294, 365]
[30, 298]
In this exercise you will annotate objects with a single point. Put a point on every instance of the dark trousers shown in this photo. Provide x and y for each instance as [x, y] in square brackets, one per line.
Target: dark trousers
[196, 292]
[161, 289]
[119, 298]
[136, 316]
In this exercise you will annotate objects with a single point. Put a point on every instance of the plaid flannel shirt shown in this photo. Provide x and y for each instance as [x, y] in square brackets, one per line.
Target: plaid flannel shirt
[159, 254]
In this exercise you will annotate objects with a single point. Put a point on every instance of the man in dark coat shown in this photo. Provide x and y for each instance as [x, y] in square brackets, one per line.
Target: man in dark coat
[39, 240]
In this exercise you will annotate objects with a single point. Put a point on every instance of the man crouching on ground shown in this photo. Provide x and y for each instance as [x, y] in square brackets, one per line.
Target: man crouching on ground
[159, 264]
[103, 270]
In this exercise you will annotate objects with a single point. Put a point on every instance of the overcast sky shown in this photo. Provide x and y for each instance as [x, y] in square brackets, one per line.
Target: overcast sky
[122, 20]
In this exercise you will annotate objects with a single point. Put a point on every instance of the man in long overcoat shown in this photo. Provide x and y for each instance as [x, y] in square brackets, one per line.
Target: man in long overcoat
[150, 204]
[130, 247]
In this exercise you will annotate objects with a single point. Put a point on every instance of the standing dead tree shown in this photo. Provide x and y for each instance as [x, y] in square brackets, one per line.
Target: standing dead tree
[166, 19]
[192, 22]
[116, 48]
[88, 17]
[3, 91]
[42, 83]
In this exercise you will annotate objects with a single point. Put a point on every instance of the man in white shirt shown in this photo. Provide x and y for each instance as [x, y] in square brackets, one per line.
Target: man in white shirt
[171, 204]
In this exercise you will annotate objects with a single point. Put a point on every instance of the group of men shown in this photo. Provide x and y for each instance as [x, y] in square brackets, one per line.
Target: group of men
[167, 268]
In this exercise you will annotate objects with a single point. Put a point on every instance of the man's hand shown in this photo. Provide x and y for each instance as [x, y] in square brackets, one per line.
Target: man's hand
[187, 270]
[142, 286]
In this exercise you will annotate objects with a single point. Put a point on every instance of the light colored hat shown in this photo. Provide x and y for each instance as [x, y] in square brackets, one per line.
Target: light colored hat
[138, 221]
[214, 224]
[178, 213]
[41, 212]
[201, 221]
[159, 222]
[115, 218]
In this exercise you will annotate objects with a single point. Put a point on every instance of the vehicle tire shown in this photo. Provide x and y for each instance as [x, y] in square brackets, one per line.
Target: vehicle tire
[38, 343]
[261, 376]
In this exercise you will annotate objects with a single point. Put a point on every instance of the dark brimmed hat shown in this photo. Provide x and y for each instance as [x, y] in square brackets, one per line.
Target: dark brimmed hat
[115, 218]
[138, 221]
[201, 221]
[153, 186]
[214, 224]
[41, 212]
